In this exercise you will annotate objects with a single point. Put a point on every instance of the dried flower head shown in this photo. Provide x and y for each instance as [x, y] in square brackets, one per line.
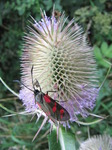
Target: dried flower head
[63, 62]
[97, 143]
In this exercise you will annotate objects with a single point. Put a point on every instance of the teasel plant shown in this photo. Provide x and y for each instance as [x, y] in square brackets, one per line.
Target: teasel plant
[97, 142]
[62, 61]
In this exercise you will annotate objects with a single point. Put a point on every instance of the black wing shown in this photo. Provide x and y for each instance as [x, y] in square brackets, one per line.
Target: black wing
[56, 110]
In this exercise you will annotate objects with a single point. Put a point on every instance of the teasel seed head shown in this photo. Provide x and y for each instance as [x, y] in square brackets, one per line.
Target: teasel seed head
[63, 61]
[98, 142]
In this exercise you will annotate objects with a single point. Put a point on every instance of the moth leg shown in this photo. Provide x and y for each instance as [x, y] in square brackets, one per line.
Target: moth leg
[54, 92]
[51, 91]
[60, 101]
[41, 99]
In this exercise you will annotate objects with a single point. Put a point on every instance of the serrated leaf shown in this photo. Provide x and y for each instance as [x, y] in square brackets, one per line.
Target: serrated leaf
[67, 140]
[97, 53]
[104, 48]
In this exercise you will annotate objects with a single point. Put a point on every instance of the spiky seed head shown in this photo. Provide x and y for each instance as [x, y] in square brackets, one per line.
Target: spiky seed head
[63, 62]
[99, 142]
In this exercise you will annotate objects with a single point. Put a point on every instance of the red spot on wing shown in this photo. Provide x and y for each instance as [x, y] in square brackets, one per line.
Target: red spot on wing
[61, 113]
[47, 98]
[54, 107]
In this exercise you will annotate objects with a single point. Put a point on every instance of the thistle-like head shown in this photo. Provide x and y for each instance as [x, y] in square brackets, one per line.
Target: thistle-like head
[98, 142]
[63, 62]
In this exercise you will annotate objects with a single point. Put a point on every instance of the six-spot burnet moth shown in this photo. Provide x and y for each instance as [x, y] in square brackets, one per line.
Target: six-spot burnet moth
[49, 106]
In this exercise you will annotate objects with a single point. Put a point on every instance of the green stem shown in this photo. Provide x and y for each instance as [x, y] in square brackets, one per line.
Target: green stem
[105, 76]
[67, 139]
[61, 138]
[10, 111]
[8, 87]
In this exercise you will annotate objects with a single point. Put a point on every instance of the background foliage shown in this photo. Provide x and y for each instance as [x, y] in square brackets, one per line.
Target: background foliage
[96, 19]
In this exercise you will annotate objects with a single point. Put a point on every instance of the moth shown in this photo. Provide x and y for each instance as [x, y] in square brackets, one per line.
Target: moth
[48, 105]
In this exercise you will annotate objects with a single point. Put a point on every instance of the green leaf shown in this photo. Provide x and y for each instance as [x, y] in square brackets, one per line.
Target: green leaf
[97, 53]
[52, 141]
[67, 140]
[109, 52]
[19, 141]
[104, 63]
[104, 48]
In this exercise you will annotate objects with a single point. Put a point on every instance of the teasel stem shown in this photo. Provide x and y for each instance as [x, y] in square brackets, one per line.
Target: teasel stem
[8, 87]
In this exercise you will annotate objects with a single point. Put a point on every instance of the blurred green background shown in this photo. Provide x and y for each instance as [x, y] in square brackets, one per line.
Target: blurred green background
[95, 17]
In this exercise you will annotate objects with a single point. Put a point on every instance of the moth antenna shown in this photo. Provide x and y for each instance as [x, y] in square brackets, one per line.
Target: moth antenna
[33, 80]
[106, 75]
[22, 84]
